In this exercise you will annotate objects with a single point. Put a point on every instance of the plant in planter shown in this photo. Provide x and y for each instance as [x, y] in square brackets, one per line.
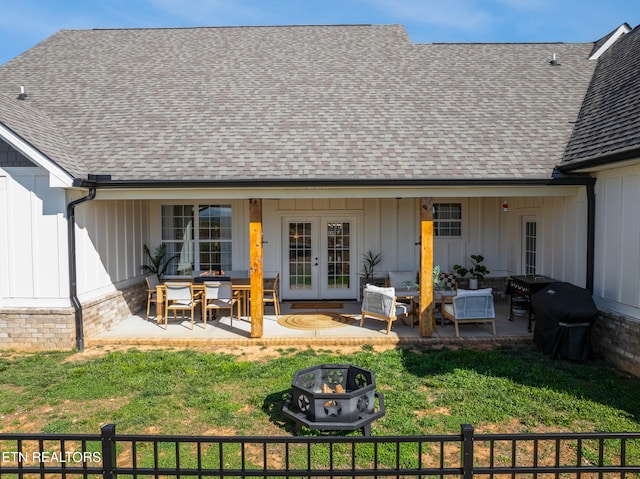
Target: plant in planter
[478, 270]
[158, 261]
[369, 263]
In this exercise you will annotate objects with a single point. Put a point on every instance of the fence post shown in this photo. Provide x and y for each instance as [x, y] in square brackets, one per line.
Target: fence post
[108, 435]
[467, 451]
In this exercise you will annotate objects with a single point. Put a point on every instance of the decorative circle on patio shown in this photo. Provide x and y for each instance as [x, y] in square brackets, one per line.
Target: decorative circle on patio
[319, 320]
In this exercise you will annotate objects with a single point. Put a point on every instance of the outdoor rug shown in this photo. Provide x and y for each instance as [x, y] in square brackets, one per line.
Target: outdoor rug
[319, 320]
[316, 305]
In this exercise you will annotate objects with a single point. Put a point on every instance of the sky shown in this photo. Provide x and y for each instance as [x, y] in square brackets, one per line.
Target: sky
[25, 23]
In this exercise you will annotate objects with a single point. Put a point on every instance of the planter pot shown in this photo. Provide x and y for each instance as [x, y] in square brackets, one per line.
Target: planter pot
[473, 283]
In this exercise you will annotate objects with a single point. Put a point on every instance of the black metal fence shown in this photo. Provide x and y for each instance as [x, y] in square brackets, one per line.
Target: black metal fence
[467, 455]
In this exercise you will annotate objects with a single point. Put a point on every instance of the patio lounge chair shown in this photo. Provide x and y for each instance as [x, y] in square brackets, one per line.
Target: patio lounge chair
[404, 282]
[380, 303]
[471, 306]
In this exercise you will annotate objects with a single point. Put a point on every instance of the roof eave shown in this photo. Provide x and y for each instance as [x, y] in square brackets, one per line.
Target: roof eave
[556, 180]
[58, 177]
[595, 163]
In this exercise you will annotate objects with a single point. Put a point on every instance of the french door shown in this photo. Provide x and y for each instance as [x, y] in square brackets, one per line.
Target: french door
[319, 258]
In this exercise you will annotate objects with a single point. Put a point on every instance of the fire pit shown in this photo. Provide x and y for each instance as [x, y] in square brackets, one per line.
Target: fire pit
[334, 397]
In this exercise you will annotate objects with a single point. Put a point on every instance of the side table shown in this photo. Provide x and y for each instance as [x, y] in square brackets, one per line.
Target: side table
[443, 297]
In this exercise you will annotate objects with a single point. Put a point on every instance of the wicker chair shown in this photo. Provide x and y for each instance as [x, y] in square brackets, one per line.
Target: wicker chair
[471, 306]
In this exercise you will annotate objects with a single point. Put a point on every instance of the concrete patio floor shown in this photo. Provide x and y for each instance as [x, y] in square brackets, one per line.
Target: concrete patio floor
[135, 330]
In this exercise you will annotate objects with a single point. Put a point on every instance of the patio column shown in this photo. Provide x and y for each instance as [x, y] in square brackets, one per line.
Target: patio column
[425, 312]
[256, 267]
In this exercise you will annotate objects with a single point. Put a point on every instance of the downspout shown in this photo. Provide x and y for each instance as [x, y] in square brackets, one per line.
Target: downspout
[591, 235]
[73, 285]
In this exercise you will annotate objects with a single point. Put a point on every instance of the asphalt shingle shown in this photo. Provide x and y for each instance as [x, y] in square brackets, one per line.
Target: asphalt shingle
[298, 102]
[608, 121]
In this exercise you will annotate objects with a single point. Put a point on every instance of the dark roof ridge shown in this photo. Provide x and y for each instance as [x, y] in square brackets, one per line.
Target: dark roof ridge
[228, 27]
[501, 43]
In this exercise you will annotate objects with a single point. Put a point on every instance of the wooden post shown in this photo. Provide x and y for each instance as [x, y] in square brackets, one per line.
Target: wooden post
[256, 269]
[426, 268]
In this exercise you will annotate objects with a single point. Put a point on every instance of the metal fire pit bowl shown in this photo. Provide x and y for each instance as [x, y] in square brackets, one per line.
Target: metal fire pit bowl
[334, 397]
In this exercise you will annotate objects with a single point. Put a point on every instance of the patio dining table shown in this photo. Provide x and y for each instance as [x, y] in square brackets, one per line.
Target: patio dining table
[241, 286]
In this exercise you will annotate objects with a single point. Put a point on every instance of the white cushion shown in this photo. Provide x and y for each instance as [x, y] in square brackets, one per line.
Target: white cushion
[378, 289]
[474, 292]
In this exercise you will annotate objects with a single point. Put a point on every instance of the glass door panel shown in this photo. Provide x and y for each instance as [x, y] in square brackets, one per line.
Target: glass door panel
[318, 258]
[338, 266]
[300, 256]
[338, 256]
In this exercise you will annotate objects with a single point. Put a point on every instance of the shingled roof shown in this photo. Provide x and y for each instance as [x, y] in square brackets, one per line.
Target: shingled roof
[295, 102]
[608, 129]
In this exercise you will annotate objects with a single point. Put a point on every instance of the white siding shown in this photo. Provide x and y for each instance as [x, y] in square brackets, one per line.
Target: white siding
[617, 248]
[391, 226]
[110, 236]
[33, 249]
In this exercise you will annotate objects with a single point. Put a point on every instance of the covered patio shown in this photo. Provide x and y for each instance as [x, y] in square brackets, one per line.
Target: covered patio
[135, 330]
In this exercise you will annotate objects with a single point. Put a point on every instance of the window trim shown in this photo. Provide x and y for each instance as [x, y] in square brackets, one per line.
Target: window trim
[449, 220]
[196, 240]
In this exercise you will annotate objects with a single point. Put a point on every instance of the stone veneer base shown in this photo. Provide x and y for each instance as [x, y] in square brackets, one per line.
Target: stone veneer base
[47, 329]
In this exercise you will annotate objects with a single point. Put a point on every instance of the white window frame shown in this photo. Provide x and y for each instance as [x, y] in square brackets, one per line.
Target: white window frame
[438, 221]
[177, 244]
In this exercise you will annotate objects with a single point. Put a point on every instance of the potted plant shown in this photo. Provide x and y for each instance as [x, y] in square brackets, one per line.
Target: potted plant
[369, 263]
[158, 261]
[478, 270]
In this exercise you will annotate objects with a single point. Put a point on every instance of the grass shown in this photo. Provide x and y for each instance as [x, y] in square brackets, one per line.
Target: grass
[509, 389]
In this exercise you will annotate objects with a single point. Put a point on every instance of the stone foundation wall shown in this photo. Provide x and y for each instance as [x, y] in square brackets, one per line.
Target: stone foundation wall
[615, 339]
[40, 329]
[102, 313]
[27, 329]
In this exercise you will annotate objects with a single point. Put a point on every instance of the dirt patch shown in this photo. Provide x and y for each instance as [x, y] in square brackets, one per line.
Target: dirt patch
[251, 353]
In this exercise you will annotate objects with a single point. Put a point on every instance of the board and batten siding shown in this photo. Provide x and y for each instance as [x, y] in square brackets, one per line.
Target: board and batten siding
[33, 235]
[617, 242]
[110, 236]
[391, 226]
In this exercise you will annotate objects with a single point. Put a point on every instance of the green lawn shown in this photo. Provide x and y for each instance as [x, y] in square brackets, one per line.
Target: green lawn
[509, 389]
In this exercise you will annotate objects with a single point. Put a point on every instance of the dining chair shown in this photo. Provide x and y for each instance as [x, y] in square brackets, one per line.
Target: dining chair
[218, 295]
[180, 297]
[152, 295]
[271, 293]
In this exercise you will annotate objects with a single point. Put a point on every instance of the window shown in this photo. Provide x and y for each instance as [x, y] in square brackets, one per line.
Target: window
[447, 219]
[530, 240]
[203, 232]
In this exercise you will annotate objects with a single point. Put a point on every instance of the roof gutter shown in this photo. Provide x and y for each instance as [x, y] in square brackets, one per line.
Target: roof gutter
[73, 285]
[558, 179]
